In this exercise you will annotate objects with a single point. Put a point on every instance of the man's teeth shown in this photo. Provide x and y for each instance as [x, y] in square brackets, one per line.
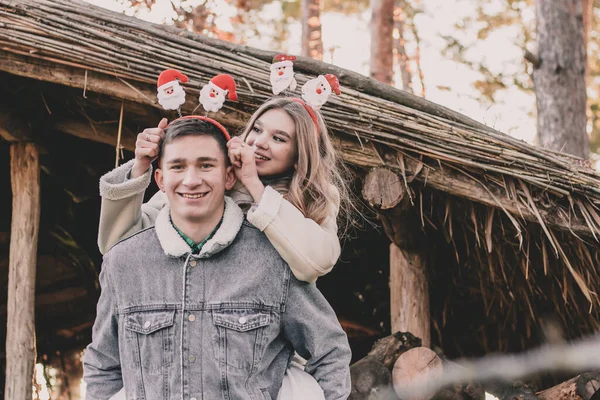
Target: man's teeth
[193, 196]
[261, 157]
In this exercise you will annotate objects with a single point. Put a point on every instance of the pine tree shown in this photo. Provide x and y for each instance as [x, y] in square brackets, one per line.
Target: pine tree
[559, 77]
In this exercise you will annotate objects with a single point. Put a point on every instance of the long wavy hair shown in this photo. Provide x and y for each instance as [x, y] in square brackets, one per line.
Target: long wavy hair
[318, 166]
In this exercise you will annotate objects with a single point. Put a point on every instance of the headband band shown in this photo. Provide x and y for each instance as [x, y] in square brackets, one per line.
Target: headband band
[210, 120]
[310, 111]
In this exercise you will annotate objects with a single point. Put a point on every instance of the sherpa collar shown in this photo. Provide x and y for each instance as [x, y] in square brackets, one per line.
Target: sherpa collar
[173, 244]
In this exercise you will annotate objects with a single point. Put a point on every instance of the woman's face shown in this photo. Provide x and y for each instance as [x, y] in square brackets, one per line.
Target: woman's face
[273, 138]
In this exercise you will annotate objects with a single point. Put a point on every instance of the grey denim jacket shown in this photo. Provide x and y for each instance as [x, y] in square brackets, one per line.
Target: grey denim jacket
[219, 325]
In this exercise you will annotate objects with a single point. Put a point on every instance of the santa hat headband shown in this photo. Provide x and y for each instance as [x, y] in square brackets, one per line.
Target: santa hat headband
[168, 76]
[331, 81]
[206, 119]
[224, 82]
[282, 60]
[311, 112]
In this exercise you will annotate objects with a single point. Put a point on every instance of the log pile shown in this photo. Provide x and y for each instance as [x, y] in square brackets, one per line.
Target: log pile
[399, 360]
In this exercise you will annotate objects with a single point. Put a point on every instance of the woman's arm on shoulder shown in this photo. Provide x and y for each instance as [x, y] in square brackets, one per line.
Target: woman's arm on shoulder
[311, 250]
[122, 213]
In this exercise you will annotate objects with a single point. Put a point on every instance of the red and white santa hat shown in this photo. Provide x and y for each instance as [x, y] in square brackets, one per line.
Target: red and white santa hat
[282, 60]
[224, 84]
[168, 76]
[331, 81]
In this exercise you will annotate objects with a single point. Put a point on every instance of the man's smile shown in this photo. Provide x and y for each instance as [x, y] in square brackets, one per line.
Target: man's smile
[193, 195]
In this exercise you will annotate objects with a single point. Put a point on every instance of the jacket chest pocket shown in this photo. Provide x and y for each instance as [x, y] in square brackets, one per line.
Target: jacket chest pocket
[150, 339]
[241, 337]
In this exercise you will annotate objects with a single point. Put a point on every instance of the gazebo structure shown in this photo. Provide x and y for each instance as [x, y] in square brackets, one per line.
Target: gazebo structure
[490, 237]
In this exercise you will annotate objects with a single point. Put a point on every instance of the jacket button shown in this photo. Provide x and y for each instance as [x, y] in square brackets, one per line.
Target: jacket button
[147, 324]
[193, 263]
[192, 318]
[242, 320]
[192, 358]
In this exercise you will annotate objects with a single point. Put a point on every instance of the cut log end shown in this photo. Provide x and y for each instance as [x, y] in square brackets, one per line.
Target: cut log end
[383, 189]
[414, 365]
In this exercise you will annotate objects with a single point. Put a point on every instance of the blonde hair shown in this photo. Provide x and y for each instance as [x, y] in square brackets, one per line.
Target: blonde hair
[318, 167]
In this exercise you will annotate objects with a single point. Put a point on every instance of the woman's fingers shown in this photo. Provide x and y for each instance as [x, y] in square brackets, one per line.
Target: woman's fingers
[234, 141]
[149, 152]
[163, 124]
[246, 153]
[153, 135]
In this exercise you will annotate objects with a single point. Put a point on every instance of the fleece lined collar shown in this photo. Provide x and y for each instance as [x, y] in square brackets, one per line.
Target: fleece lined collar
[175, 246]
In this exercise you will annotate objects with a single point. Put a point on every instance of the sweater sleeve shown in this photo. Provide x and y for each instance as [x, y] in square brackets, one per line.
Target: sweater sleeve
[311, 250]
[122, 213]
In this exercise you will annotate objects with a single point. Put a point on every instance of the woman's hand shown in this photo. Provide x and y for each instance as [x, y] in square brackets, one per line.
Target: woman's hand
[147, 147]
[242, 158]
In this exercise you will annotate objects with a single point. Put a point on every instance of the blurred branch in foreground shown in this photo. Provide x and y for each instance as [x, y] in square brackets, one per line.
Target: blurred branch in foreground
[579, 356]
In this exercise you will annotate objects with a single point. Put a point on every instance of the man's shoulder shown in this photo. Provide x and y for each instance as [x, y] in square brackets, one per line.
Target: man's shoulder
[251, 235]
[251, 242]
[136, 241]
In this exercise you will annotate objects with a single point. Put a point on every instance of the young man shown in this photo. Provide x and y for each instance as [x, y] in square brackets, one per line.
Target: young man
[201, 306]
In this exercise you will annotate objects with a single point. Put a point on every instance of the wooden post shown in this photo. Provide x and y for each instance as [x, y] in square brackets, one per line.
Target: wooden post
[409, 294]
[409, 287]
[20, 335]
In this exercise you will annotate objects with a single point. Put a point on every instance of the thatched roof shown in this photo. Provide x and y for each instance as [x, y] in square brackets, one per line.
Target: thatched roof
[522, 223]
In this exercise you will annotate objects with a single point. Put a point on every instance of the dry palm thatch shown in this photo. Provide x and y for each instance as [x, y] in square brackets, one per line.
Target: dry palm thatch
[524, 221]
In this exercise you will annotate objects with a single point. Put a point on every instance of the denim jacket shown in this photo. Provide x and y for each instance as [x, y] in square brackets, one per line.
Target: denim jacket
[222, 324]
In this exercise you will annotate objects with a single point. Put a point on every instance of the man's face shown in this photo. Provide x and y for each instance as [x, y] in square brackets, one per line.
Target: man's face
[194, 176]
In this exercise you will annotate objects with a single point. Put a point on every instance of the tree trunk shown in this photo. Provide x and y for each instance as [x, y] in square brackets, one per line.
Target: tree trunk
[20, 335]
[400, 48]
[559, 77]
[417, 58]
[587, 9]
[312, 40]
[382, 27]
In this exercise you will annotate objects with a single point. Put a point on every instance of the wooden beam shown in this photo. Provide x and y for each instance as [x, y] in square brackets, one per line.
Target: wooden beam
[61, 296]
[76, 77]
[447, 180]
[20, 336]
[97, 133]
[106, 84]
[13, 129]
